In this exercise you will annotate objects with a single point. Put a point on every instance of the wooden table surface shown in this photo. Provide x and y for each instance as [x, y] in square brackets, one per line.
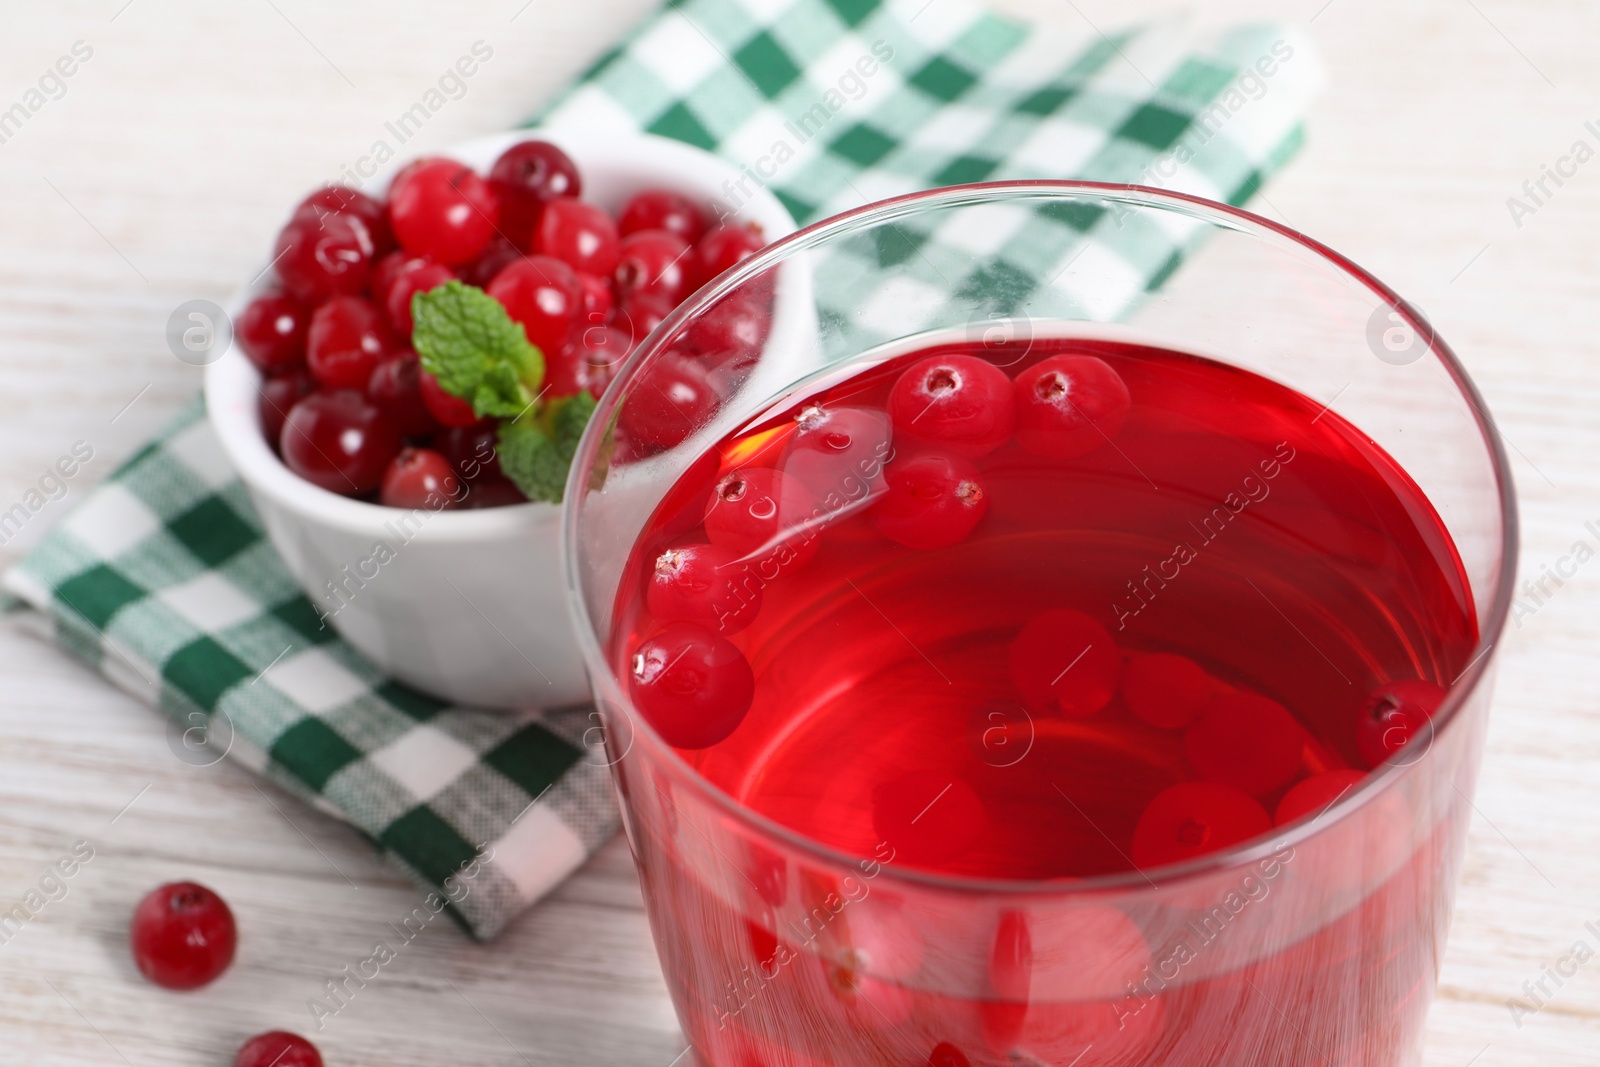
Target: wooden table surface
[161, 175]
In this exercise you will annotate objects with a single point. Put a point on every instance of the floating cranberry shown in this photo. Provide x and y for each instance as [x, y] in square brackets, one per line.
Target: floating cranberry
[945, 1054]
[1165, 690]
[277, 397]
[1317, 794]
[1192, 819]
[419, 478]
[1393, 715]
[1247, 741]
[447, 409]
[340, 441]
[415, 276]
[705, 584]
[724, 247]
[1068, 406]
[930, 501]
[962, 403]
[346, 342]
[396, 387]
[928, 817]
[580, 235]
[543, 295]
[838, 452]
[272, 332]
[654, 263]
[691, 685]
[183, 936]
[763, 515]
[671, 400]
[443, 210]
[598, 299]
[1064, 661]
[588, 361]
[661, 209]
[343, 200]
[317, 260]
[527, 176]
[277, 1048]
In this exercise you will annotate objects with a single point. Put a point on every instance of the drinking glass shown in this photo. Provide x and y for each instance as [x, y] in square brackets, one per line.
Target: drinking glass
[1318, 945]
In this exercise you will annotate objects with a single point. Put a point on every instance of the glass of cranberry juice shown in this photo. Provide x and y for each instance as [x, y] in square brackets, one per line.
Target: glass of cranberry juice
[1007, 661]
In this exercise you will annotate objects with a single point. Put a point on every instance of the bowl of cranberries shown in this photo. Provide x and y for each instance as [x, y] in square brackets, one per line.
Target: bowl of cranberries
[410, 375]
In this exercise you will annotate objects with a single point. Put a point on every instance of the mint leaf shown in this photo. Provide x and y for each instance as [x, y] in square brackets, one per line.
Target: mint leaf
[466, 340]
[536, 458]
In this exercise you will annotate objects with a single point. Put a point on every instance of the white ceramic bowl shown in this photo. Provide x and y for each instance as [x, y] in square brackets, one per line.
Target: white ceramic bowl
[466, 605]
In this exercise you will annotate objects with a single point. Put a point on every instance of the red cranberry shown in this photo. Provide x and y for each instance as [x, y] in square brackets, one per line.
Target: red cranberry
[272, 332]
[495, 258]
[838, 452]
[639, 314]
[691, 685]
[945, 1054]
[928, 816]
[588, 361]
[543, 295]
[419, 478]
[183, 936]
[493, 492]
[277, 397]
[417, 276]
[734, 327]
[763, 515]
[317, 260]
[654, 263]
[387, 269]
[580, 235]
[1393, 715]
[277, 1048]
[343, 200]
[526, 177]
[1063, 661]
[1165, 690]
[705, 584]
[962, 403]
[1247, 741]
[1194, 818]
[472, 451]
[724, 247]
[443, 210]
[1317, 794]
[339, 441]
[931, 501]
[671, 400]
[396, 387]
[661, 209]
[447, 409]
[598, 299]
[1068, 406]
[346, 342]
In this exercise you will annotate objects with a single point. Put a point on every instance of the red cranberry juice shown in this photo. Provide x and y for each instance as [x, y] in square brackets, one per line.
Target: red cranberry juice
[1039, 612]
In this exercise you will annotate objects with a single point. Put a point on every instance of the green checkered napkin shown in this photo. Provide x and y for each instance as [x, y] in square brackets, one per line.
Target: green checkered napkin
[163, 580]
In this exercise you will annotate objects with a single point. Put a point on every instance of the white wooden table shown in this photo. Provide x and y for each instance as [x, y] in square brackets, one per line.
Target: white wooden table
[162, 174]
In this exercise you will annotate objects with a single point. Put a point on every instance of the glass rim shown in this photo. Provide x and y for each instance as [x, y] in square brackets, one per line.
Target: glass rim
[1458, 692]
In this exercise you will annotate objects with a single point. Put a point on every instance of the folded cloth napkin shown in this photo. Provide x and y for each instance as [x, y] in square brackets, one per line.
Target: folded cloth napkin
[163, 580]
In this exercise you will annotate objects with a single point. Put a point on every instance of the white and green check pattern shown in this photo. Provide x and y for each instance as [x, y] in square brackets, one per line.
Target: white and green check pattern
[163, 580]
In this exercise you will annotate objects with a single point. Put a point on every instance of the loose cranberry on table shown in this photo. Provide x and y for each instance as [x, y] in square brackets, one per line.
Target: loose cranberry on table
[703, 584]
[580, 235]
[419, 478]
[1068, 406]
[662, 209]
[277, 1048]
[318, 259]
[272, 332]
[654, 263]
[396, 388]
[442, 209]
[278, 397]
[346, 342]
[1393, 715]
[930, 501]
[340, 441]
[724, 247]
[961, 403]
[183, 936]
[343, 200]
[447, 409]
[1191, 819]
[543, 295]
[526, 177]
[1065, 662]
[690, 684]
[415, 276]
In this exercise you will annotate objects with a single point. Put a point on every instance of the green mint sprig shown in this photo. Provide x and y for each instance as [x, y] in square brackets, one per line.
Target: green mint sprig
[465, 339]
[536, 450]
